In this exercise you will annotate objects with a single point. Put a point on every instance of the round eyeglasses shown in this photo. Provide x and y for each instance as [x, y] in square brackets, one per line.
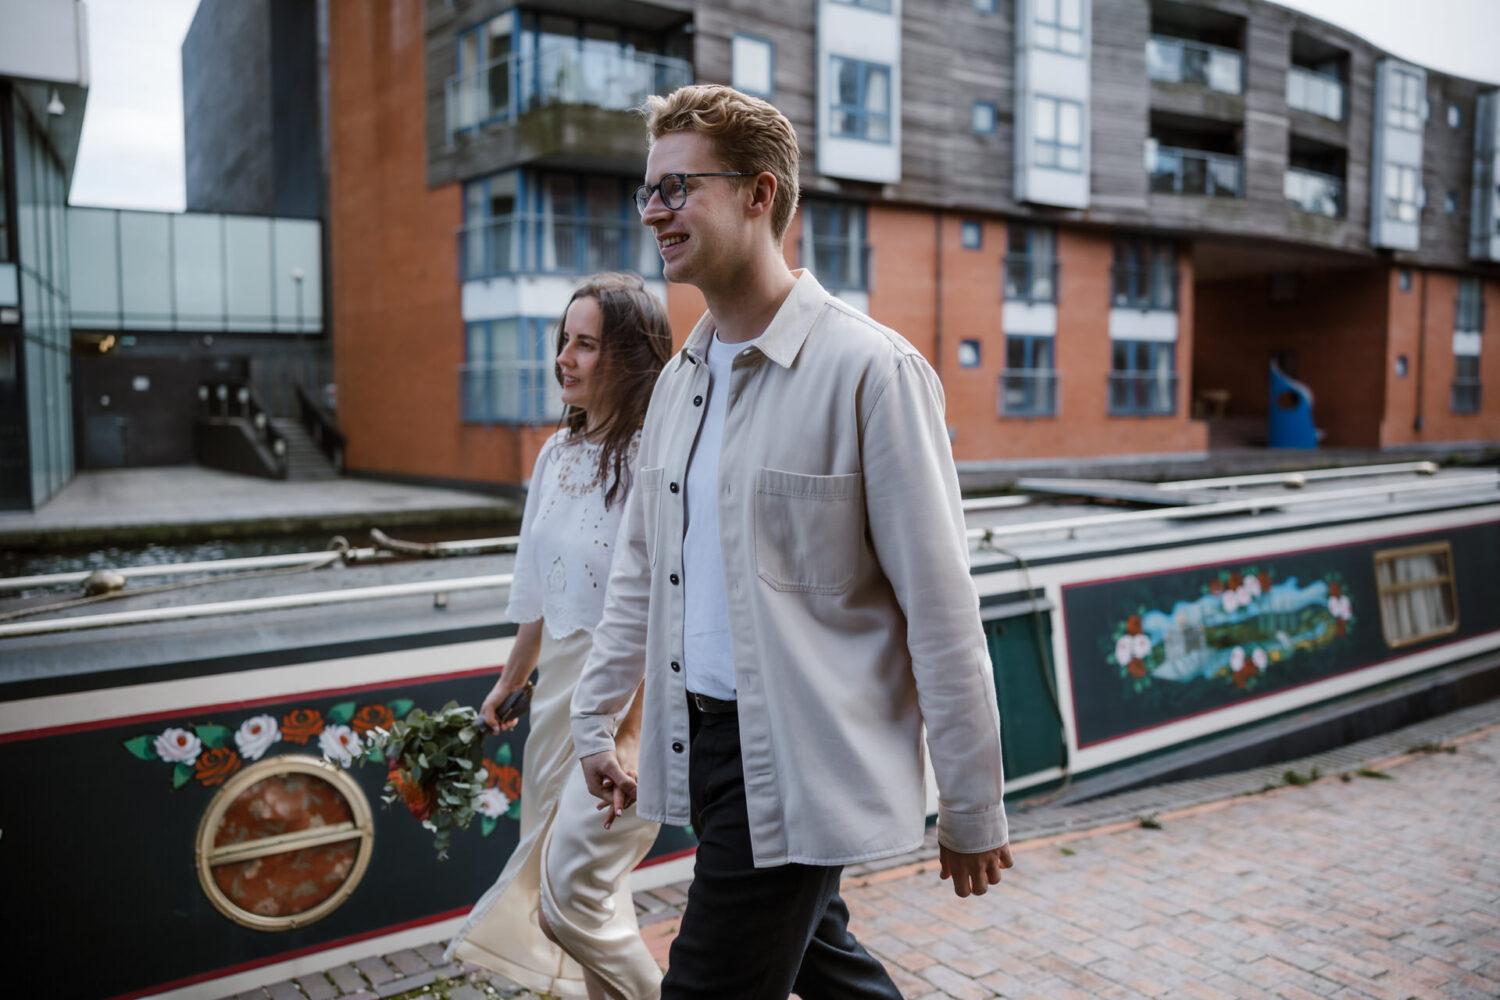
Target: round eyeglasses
[673, 189]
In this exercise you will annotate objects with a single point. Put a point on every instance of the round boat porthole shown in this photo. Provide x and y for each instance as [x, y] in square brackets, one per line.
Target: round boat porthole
[284, 843]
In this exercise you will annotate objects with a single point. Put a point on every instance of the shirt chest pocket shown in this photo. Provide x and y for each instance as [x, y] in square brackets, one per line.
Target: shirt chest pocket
[650, 487]
[809, 530]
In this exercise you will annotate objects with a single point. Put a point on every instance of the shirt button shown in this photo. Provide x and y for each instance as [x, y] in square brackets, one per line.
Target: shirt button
[673, 487]
[697, 400]
[677, 748]
[673, 578]
[676, 666]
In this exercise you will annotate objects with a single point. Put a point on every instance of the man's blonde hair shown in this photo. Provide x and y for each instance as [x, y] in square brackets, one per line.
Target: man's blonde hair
[747, 134]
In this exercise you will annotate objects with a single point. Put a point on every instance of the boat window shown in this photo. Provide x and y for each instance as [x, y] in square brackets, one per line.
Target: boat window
[284, 843]
[1418, 599]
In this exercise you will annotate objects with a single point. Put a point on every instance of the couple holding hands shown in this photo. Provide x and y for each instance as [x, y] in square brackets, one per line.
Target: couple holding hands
[743, 582]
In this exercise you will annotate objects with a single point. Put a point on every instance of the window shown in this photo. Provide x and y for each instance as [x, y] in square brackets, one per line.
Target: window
[1450, 203]
[1403, 279]
[861, 100]
[1468, 311]
[1417, 596]
[1455, 116]
[1143, 378]
[1319, 93]
[971, 234]
[983, 118]
[507, 373]
[839, 253]
[1144, 274]
[1059, 26]
[1402, 197]
[1465, 398]
[1030, 263]
[481, 91]
[1057, 133]
[881, 6]
[985, 6]
[1403, 102]
[754, 65]
[968, 354]
[1028, 386]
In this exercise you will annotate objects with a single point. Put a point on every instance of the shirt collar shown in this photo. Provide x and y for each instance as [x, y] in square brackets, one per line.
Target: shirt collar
[787, 332]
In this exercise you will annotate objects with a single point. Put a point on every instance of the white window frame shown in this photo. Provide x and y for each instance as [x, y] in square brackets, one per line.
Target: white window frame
[1046, 133]
[1418, 592]
[742, 48]
[1399, 195]
[1057, 26]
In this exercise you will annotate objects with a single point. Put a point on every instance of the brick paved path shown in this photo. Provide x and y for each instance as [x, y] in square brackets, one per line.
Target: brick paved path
[1368, 887]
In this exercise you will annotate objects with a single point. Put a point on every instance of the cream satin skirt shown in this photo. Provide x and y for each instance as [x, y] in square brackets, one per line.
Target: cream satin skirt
[566, 864]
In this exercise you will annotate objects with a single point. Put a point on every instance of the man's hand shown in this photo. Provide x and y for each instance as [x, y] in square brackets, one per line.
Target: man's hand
[973, 872]
[610, 783]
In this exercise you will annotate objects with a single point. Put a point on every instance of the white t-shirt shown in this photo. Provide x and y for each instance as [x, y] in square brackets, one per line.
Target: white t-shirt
[567, 538]
[707, 650]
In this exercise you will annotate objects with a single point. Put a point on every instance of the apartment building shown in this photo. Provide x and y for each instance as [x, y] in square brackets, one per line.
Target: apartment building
[1102, 221]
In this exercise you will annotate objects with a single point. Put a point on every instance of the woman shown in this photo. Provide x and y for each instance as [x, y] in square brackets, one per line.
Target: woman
[560, 918]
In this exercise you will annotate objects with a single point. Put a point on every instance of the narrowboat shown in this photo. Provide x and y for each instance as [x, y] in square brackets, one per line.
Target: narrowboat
[170, 826]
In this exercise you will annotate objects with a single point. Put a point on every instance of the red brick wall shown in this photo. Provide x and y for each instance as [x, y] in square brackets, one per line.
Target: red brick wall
[1336, 325]
[1430, 364]
[399, 330]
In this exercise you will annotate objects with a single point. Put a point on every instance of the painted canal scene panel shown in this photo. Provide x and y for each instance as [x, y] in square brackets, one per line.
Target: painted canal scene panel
[1152, 649]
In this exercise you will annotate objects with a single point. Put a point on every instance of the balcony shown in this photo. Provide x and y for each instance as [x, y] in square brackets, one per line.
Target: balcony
[547, 244]
[611, 78]
[1150, 288]
[1030, 278]
[1142, 393]
[1028, 392]
[508, 392]
[1318, 93]
[1175, 170]
[1315, 193]
[1178, 60]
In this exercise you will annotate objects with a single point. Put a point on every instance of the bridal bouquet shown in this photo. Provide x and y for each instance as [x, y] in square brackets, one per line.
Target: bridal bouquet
[436, 766]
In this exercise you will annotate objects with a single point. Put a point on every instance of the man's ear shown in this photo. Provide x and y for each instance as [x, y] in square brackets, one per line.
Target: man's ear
[762, 194]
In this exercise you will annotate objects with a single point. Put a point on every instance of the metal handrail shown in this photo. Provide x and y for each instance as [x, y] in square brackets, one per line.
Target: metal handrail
[1020, 274]
[1196, 171]
[1298, 478]
[575, 244]
[1252, 505]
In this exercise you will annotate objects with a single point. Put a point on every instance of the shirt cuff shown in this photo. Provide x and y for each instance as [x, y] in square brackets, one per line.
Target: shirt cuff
[973, 832]
[592, 734]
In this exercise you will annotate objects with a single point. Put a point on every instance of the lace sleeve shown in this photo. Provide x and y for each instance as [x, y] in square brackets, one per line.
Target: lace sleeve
[526, 592]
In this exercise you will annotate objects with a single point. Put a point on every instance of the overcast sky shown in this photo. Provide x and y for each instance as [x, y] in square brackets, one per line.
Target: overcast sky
[131, 151]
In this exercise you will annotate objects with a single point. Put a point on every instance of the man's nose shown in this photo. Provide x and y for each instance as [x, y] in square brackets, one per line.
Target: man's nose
[656, 210]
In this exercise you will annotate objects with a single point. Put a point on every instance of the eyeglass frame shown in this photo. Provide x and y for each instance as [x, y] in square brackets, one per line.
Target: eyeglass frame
[645, 191]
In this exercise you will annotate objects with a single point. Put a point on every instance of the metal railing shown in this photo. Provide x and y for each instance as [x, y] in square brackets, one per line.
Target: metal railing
[1175, 170]
[1320, 93]
[1028, 392]
[1313, 192]
[1030, 278]
[841, 263]
[611, 77]
[548, 244]
[1152, 287]
[1178, 60]
[1466, 395]
[1142, 393]
[1293, 480]
[508, 392]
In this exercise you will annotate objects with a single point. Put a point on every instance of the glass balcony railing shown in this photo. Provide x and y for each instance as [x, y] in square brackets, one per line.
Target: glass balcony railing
[1192, 171]
[1177, 60]
[1030, 279]
[611, 77]
[1028, 392]
[1318, 194]
[1142, 393]
[548, 244]
[508, 392]
[1319, 93]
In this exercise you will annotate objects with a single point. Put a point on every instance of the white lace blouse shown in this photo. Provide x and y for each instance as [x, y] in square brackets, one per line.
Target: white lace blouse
[567, 538]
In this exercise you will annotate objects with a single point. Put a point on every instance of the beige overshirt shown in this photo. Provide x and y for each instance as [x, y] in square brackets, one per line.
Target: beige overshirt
[853, 617]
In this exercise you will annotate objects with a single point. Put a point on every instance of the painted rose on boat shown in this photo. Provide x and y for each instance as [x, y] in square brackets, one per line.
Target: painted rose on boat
[492, 803]
[340, 744]
[256, 735]
[178, 746]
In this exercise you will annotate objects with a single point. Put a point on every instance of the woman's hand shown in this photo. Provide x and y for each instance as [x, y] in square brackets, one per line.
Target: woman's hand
[517, 669]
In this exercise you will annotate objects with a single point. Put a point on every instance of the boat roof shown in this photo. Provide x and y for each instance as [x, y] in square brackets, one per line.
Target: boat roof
[266, 609]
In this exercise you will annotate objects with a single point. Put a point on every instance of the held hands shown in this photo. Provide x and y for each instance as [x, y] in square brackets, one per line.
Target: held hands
[973, 872]
[610, 781]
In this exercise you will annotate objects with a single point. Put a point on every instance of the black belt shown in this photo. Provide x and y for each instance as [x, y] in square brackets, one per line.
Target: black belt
[711, 706]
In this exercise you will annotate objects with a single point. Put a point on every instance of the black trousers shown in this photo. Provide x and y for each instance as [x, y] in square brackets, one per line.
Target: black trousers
[757, 933]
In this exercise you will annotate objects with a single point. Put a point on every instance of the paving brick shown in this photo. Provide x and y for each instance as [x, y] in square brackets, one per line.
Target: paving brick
[286, 990]
[407, 962]
[432, 954]
[347, 978]
[317, 987]
[375, 970]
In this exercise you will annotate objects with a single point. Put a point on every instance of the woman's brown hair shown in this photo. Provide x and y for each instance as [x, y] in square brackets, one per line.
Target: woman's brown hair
[635, 341]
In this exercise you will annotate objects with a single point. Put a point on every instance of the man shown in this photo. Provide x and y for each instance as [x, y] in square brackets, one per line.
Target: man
[792, 578]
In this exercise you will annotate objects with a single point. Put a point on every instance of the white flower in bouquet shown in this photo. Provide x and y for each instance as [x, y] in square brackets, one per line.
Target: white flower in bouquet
[255, 736]
[178, 746]
[340, 744]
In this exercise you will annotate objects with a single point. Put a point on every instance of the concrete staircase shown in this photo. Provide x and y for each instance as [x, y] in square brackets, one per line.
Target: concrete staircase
[305, 461]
